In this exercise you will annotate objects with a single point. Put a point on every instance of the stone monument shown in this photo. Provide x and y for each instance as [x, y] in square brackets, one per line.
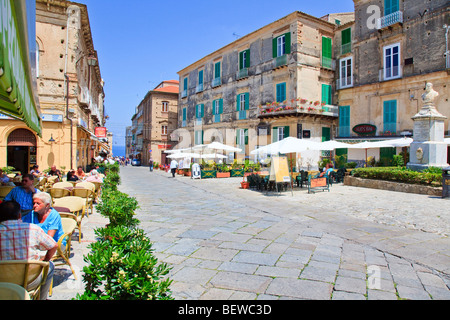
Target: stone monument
[428, 148]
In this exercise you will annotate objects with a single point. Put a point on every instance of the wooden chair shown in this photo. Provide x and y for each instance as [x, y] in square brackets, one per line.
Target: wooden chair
[98, 189]
[86, 185]
[80, 191]
[40, 184]
[4, 190]
[69, 222]
[12, 291]
[76, 206]
[24, 273]
[59, 193]
[51, 181]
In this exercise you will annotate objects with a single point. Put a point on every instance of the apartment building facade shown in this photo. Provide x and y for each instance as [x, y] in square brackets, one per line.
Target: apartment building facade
[386, 57]
[276, 82]
[70, 90]
[155, 119]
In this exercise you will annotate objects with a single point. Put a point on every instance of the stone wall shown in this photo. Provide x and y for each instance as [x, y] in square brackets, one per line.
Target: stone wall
[392, 186]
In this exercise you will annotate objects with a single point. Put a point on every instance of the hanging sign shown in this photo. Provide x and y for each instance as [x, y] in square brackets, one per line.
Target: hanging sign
[100, 132]
[365, 129]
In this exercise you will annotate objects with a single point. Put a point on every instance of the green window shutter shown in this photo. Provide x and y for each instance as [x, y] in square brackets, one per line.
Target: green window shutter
[326, 47]
[390, 6]
[390, 116]
[346, 36]
[326, 134]
[214, 107]
[241, 60]
[202, 106]
[217, 70]
[184, 114]
[247, 59]
[344, 121]
[326, 94]
[247, 101]
[281, 92]
[237, 136]
[274, 134]
[246, 136]
[185, 84]
[288, 42]
[200, 77]
[220, 106]
[286, 132]
[238, 101]
[274, 48]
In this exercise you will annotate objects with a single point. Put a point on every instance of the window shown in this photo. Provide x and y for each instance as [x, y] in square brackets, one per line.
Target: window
[184, 123]
[199, 111]
[326, 52]
[185, 88]
[326, 94]
[344, 121]
[242, 137]
[392, 68]
[244, 59]
[217, 80]
[390, 116]
[390, 6]
[217, 109]
[242, 105]
[346, 36]
[280, 133]
[281, 92]
[165, 106]
[198, 137]
[200, 81]
[345, 75]
[164, 130]
[281, 45]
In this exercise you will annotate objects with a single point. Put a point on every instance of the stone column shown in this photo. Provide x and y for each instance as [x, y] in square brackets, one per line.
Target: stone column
[428, 148]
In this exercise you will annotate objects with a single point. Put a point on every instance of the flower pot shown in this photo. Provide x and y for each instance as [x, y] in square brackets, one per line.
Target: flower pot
[245, 185]
[222, 174]
[187, 173]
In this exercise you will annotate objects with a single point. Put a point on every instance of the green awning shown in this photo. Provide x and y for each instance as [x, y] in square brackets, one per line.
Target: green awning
[17, 92]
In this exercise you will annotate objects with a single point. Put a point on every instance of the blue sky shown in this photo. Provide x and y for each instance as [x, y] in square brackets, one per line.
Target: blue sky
[140, 43]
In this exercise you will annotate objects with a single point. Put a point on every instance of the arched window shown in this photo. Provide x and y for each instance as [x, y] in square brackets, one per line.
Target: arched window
[21, 137]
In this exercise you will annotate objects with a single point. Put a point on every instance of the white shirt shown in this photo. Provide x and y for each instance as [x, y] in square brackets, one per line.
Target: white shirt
[173, 164]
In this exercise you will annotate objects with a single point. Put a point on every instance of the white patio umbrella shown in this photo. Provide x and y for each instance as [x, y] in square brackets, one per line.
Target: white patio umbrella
[220, 146]
[213, 156]
[183, 155]
[332, 144]
[402, 142]
[287, 145]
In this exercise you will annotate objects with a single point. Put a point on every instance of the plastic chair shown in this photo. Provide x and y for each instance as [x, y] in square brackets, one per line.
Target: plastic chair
[76, 206]
[12, 291]
[24, 273]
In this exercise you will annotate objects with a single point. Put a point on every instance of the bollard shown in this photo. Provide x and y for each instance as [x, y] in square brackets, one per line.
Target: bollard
[446, 182]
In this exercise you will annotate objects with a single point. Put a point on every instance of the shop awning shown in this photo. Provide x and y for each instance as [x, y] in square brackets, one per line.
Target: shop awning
[18, 96]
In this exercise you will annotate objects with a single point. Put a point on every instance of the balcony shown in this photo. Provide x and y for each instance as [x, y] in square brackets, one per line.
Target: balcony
[389, 20]
[216, 82]
[199, 88]
[242, 114]
[346, 48]
[241, 74]
[184, 93]
[299, 108]
[279, 62]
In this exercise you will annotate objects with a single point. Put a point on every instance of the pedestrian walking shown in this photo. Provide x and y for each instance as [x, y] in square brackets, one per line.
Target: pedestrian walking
[150, 162]
[173, 167]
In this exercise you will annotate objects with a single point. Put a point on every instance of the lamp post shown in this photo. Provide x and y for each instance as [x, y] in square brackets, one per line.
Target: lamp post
[92, 62]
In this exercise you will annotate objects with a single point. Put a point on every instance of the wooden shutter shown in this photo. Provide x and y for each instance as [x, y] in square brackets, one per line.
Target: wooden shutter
[220, 106]
[346, 36]
[287, 43]
[247, 101]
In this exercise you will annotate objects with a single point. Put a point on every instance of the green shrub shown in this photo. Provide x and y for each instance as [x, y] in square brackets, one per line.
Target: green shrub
[399, 174]
[121, 266]
[118, 207]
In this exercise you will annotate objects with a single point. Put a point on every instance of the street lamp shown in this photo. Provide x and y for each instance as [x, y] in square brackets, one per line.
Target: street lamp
[51, 139]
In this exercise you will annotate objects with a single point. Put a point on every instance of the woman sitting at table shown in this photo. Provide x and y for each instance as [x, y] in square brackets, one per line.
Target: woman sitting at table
[327, 172]
[45, 216]
[80, 173]
[71, 176]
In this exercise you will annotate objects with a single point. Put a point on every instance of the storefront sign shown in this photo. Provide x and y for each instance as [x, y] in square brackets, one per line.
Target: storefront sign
[52, 117]
[365, 129]
[100, 132]
[17, 79]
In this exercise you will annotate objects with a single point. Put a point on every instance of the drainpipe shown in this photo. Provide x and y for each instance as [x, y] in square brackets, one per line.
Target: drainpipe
[70, 119]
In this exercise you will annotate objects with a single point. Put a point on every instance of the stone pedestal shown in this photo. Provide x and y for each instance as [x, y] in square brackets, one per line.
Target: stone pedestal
[428, 148]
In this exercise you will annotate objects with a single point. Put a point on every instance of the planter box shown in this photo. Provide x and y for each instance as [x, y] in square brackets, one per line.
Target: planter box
[187, 173]
[205, 174]
[223, 174]
[237, 172]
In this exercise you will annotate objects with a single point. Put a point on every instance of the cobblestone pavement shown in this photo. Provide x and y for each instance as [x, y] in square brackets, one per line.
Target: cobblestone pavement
[224, 242]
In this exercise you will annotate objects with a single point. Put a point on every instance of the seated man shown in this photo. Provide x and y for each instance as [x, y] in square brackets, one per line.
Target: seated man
[45, 216]
[14, 234]
[24, 194]
[55, 172]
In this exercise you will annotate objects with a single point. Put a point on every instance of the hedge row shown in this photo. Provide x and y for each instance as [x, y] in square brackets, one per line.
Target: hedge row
[400, 174]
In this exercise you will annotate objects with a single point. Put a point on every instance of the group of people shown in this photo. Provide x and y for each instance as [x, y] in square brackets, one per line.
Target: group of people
[23, 236]
[27, 217]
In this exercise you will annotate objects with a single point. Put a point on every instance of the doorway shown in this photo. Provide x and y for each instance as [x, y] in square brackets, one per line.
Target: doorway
[21, 152]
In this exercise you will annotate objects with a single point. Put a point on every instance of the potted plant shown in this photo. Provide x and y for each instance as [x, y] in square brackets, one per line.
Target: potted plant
[223, 171]
[244, 184]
